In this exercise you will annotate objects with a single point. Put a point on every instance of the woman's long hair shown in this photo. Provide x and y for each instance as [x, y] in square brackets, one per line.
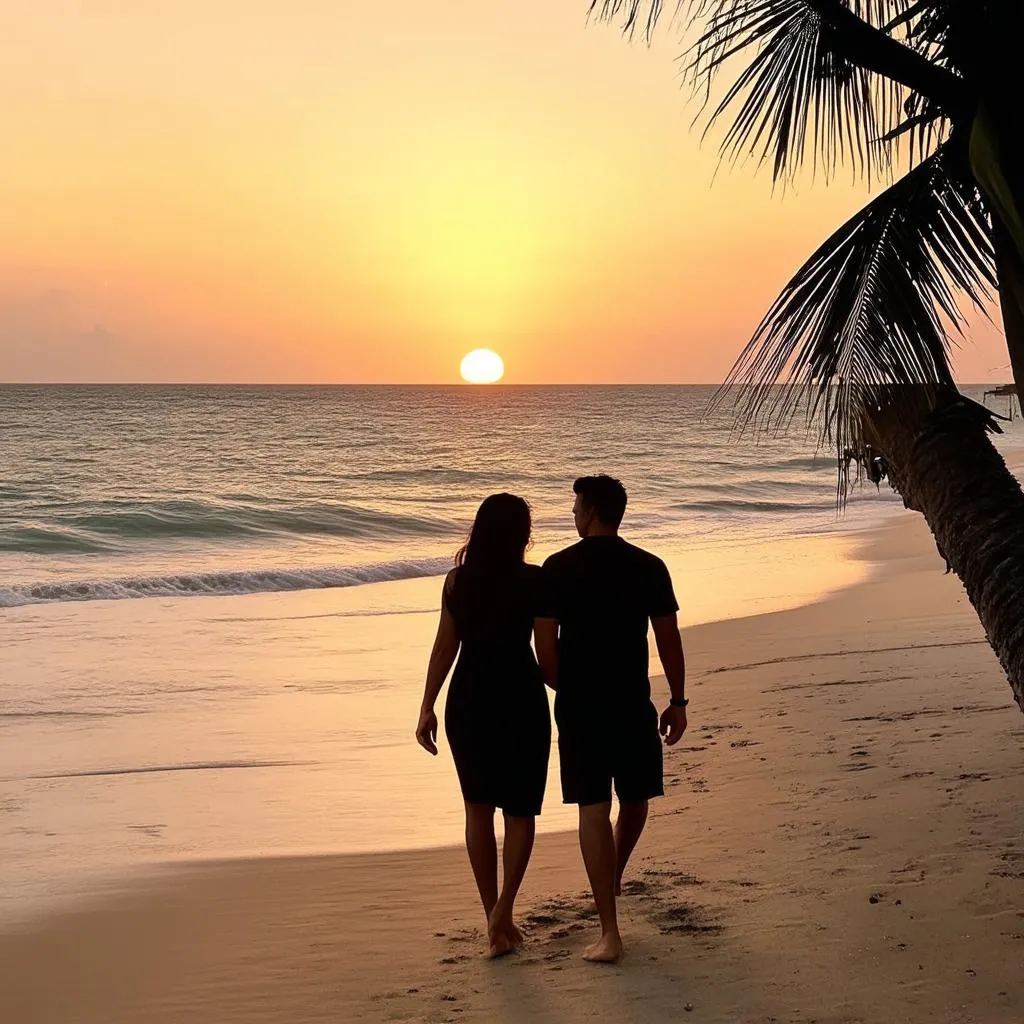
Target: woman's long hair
[497, 543]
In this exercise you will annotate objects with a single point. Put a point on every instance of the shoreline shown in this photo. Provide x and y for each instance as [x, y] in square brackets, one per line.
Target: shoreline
[840, 816]
[206, 578]
[101, 698]
[843, 545]
[870, 547]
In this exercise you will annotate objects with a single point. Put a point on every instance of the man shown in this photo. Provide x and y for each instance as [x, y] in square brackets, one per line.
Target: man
[600, 595]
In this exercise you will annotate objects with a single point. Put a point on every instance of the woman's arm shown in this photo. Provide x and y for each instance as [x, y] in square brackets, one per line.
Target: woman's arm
[545, 639]
[442, 657]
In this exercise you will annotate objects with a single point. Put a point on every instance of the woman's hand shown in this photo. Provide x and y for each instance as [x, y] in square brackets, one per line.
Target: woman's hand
[426, 731]
[442, 657]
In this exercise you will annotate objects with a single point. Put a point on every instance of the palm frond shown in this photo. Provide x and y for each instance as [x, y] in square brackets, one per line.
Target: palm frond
[633, 14]
[792, 91]
[925, 127]
[795, 90]
[647, 13]
[969, 37]
[817, 78]
[875, 306]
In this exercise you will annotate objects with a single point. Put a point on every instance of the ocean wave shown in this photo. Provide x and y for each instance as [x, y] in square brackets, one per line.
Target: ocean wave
[767, 491]
[150, 769]
[219, 584]
[728, 505]
[40, 540]
[58, 714]
[112, 525]
[12, 493]
[777, 497]
[767, 464]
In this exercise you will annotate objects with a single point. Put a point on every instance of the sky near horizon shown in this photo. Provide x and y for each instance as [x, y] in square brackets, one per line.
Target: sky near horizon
[321, 191]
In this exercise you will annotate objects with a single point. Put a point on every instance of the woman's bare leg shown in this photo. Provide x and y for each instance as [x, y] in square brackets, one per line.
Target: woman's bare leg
[519, 837]
[482, 848]
[483, 857]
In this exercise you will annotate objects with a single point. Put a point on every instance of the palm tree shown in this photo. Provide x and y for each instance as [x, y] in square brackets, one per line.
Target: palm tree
[864, 328]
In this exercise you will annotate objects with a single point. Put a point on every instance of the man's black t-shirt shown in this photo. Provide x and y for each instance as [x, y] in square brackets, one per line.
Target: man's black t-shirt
[603, 591]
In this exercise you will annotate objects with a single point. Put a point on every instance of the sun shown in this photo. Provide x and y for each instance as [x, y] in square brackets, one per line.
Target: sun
[482, 366]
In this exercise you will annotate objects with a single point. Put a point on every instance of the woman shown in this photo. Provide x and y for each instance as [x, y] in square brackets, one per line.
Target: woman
[496, 717]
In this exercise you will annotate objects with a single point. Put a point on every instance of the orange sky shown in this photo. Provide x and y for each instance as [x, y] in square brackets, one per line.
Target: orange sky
[328, 190]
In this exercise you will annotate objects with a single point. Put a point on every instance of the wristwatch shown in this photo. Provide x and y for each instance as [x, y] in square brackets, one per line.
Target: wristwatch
[679, 703]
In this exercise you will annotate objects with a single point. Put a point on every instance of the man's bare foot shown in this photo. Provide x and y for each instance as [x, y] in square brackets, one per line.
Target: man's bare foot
[606, 950]
[517, 937]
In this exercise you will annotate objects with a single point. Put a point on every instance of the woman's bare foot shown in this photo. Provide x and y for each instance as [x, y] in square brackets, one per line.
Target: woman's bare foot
[502, 934]
[500, 945]
[607, 950]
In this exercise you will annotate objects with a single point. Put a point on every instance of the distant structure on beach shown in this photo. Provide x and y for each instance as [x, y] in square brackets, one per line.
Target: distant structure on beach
[1007, 391]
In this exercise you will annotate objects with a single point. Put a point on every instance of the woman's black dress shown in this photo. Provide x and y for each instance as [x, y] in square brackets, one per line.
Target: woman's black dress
[496, 717]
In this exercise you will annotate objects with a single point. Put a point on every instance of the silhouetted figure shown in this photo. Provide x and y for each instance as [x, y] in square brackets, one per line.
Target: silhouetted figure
[496, 716]
[599, 596]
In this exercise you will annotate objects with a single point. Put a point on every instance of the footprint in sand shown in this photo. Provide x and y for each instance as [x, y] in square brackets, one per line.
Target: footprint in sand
[684, 919]
[1014, 865]
[635, 888]
[543, 920]
[557, 954]
[681, 880]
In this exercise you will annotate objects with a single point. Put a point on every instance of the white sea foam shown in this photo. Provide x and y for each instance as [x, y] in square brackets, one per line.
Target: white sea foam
[219, 584]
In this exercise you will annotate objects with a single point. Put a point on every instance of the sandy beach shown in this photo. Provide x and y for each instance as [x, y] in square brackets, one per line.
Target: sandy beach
[336, 347]
[840, 843]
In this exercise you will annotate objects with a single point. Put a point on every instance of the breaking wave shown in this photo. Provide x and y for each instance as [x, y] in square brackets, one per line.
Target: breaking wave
[219, 584]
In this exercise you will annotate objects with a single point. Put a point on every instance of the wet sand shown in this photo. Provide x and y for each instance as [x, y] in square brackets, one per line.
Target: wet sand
[840, 842]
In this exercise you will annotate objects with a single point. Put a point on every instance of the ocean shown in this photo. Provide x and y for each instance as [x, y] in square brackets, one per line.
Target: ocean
[216, 603]
[163, 492]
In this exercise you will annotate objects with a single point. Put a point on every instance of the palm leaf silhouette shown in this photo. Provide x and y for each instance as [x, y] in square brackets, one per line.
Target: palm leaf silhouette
[878, 304]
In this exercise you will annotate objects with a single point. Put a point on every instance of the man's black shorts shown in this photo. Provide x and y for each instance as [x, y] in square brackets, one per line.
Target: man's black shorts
[621, 750]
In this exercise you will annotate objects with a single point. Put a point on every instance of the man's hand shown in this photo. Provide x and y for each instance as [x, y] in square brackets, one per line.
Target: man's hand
[673, 725]
[545, 638]
[426, 731]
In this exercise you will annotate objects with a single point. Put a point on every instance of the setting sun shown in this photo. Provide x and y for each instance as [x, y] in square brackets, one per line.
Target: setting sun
[482, 366]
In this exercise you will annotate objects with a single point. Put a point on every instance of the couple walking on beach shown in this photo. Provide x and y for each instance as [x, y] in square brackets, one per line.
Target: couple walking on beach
[588, 609]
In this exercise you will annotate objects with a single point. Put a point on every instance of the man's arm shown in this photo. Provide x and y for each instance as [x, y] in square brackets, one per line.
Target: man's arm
[670, 650]
[545, 638]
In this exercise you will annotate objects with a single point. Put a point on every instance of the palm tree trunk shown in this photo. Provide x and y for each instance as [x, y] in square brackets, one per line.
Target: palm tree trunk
[1010, 270]
[936, 452]
[998, 166]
